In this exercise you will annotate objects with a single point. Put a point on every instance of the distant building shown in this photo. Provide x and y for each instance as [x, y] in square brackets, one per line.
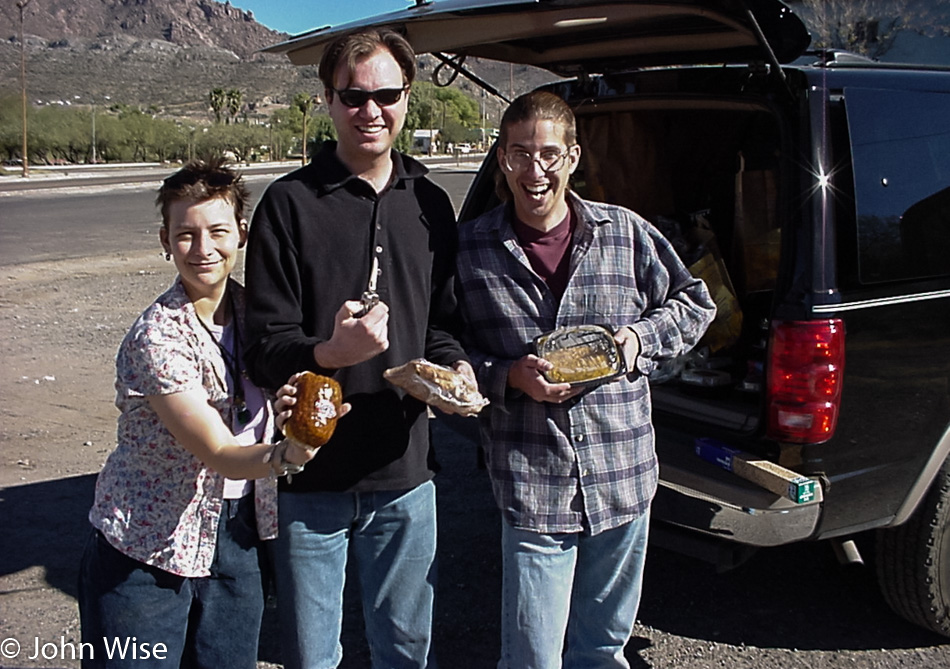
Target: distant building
[427, 141]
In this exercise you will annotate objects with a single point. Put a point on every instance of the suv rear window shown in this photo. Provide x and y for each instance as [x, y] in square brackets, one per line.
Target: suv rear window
[901, 152]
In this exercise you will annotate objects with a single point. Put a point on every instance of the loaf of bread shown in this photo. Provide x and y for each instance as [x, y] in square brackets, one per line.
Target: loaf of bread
[438, 386]
[314, 416]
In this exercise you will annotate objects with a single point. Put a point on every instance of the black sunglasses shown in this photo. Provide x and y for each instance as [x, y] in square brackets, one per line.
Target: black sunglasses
[384, 97]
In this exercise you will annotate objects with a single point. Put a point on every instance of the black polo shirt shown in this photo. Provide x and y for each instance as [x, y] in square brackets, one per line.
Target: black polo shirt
[312, 240]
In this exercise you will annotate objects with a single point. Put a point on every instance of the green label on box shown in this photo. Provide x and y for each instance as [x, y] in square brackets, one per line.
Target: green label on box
[801, 490]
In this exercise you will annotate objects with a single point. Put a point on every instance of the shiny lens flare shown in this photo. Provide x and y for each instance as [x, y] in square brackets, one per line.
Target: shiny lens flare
[823, 183]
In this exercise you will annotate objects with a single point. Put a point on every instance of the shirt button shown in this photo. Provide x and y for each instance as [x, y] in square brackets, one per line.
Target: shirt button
[579, 438]
[379, 249]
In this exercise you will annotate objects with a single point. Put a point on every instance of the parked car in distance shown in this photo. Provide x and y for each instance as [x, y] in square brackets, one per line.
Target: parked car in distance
[811, 191]
[464, 147]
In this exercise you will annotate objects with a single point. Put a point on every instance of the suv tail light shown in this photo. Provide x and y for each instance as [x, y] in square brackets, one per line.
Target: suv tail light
[805, 373]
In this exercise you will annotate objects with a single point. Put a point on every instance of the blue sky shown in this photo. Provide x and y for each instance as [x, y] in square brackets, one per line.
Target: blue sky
[297, 16]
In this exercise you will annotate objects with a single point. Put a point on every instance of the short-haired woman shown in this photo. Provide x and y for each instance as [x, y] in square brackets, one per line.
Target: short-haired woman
[171, 573]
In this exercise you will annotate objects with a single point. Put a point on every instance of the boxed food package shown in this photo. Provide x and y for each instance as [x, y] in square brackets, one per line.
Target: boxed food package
[765, 473]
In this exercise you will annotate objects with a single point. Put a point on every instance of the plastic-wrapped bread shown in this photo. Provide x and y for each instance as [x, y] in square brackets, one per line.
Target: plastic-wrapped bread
[314, 417]
[438, 386]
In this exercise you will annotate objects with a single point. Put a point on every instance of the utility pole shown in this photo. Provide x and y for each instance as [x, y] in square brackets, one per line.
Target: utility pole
[21, 4]
[306, 108]
[94, 132]
[106, 98]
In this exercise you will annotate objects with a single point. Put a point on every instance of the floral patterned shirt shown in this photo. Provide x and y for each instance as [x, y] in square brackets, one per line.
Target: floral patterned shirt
[155, 501]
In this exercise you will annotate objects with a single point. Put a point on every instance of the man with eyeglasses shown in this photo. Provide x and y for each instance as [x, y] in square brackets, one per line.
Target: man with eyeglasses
[572, 466]
[349, 271]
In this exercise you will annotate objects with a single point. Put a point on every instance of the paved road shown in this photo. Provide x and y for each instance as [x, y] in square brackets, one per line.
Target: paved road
[78, 176]
[74, 217]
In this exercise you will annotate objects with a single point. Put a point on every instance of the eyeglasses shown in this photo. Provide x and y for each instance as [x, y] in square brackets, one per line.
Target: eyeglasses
[549, 160]
[384, 97]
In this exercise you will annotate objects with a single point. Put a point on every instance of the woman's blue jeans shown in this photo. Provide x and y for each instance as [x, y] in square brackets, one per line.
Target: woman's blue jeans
[207, 622]
[392, 537]
[570, 589]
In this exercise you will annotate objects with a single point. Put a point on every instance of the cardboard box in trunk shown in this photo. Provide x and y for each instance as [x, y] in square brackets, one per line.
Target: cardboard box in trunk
[765, 473]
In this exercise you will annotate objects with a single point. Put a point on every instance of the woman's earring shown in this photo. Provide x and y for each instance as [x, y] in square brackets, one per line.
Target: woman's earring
[168, 256]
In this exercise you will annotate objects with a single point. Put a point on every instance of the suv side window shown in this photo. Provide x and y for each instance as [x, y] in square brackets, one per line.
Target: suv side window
[901, 161]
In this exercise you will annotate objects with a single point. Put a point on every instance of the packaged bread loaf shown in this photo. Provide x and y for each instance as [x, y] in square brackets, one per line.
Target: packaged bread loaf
[314, 416]
[438, 386]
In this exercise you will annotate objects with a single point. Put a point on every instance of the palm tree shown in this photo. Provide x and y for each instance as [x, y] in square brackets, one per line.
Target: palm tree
[234, 99]
[218, 99]
[305, 103]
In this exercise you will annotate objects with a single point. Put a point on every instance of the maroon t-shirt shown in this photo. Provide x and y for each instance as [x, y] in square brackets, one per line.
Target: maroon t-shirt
[548, 252]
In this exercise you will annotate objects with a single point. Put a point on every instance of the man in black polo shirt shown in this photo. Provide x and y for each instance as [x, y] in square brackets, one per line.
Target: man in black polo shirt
[360, 216]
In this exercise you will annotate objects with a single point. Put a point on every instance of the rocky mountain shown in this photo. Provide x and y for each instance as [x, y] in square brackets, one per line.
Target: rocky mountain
[185, 23]
[167, 55]
[163, 53]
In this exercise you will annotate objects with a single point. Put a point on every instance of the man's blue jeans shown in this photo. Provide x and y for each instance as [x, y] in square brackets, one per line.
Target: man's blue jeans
[392, 537]
[585, 589]
[206, 622]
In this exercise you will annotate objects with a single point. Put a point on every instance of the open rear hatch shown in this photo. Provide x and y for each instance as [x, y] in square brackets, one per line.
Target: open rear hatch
[570, 37]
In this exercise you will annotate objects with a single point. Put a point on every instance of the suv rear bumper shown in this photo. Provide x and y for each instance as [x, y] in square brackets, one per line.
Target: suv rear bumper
[696, 495]
[734, 511]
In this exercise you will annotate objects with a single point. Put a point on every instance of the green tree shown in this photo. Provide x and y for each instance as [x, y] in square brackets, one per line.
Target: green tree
[59, 135]
[112, 138]
[218, 100]
[141, 134]
[460, 106]
[246, 140]
[322, 129]
[424, 109]
[171, 142]
[449, 110]
[284, 125]
[11, 128]
[234, 101]
[215, 139]
[305, 104]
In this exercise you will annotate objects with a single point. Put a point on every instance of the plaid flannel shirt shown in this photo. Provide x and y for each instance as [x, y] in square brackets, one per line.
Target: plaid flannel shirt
[589, 464]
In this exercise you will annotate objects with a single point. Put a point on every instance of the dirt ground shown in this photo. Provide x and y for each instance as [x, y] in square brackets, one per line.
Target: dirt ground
[60, 324]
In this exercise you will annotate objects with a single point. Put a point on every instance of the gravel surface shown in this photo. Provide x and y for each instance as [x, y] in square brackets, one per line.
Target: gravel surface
[60, 324]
